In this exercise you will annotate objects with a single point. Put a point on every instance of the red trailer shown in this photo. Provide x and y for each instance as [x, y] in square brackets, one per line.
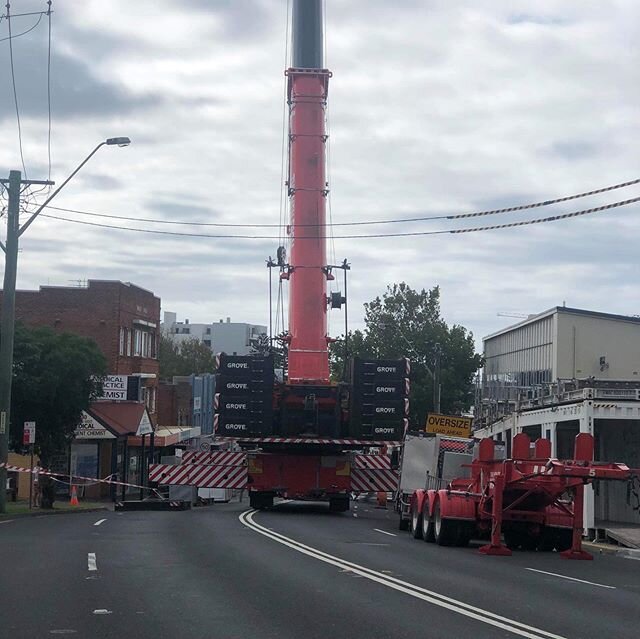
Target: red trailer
[535, 500]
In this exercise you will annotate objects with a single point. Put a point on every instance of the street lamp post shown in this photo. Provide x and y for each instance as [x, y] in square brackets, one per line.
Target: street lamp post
[14, 184]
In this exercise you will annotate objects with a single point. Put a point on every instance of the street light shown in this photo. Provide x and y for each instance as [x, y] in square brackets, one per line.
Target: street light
[14, 231]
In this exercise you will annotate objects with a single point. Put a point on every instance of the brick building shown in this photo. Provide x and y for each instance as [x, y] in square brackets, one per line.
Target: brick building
[123, 320]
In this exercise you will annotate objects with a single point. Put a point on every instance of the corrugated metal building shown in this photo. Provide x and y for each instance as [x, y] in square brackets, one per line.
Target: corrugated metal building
[562, 372]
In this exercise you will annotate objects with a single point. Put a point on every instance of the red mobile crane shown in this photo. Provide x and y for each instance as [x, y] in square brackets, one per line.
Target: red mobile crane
[300, 434]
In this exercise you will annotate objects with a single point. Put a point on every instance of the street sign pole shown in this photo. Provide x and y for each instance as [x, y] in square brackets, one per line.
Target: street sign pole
[31, 481]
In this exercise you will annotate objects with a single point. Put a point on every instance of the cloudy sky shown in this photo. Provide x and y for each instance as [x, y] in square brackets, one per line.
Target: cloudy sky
[436, 107]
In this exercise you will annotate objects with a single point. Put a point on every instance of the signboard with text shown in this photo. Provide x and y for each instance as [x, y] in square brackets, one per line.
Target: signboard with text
[90, 428]
[29, 433]
[451, 425]
[114, 387]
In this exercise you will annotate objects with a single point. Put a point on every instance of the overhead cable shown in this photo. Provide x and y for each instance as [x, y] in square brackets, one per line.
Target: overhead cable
[521, 207]
[15, 93]
[552, 218]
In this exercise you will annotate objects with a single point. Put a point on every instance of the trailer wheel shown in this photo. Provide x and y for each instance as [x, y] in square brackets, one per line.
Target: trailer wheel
[463, 536]
[547, 541]
[416, 522]
[563, 538]
[427, 526]
[445, 530]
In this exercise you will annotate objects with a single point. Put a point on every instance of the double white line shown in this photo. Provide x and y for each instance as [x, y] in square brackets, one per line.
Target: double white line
[434, 598]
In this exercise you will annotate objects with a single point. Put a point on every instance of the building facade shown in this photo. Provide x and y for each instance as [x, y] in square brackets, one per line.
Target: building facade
[563, 372]
[187, 401]
[234, 338]
[124, 321]
[559, 344]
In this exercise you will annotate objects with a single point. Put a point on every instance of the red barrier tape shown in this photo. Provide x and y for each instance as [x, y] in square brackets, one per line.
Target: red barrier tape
[42, 471]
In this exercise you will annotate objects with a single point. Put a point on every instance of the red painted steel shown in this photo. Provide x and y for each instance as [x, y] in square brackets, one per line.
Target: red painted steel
[308, 347]
[524, 497]
[299, 476]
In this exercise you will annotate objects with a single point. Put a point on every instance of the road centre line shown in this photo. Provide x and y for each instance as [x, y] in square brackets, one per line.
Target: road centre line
[100, 521]
[434, 598]
[582, 581]
[91, 561]
[384, 532]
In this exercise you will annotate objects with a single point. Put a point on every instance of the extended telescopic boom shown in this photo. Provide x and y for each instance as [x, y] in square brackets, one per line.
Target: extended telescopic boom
[308, 188]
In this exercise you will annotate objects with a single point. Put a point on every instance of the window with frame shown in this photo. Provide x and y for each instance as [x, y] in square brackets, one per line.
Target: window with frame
[137, 342]
[122, 349]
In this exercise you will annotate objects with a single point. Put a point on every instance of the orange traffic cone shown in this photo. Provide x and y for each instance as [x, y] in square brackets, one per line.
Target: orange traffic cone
[382, 499]
[74, 496]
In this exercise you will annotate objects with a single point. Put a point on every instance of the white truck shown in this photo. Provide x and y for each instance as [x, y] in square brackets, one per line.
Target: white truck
[427, 461]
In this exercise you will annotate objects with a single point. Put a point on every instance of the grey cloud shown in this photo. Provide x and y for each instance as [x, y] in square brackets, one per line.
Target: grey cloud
[575, 149]
[75, 90]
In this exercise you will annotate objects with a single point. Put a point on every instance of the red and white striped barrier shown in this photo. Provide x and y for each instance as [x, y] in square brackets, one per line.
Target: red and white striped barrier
[216, 457]
[306, 440]
[371, 473]
[200, 475]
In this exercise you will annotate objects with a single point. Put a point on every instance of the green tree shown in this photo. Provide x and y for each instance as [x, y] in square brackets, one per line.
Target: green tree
[190, 357]
[407, 323]
[55, 377]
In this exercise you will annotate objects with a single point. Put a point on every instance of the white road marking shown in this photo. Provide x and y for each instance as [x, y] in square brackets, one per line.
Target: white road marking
[384, 532]
[582, 581]
[434, 598]
[100, 521]
[101, 611]
[6, 521]
[91, 561]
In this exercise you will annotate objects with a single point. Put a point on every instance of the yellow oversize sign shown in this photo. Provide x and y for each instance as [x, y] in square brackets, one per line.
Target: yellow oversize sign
[448, 425]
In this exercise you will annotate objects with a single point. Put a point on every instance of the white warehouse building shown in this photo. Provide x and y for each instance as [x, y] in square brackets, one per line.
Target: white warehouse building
[562, 372]
[234, 338]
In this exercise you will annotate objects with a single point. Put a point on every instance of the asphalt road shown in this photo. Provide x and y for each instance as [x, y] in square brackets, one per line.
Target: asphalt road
[225, 572]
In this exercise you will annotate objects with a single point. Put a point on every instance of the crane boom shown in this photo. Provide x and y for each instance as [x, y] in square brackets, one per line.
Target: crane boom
[308, 83]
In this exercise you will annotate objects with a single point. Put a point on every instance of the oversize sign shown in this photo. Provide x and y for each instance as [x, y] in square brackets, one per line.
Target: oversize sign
[451, 425]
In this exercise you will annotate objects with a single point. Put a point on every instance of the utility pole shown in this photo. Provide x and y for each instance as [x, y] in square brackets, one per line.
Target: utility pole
[15, 183]
[14, 231]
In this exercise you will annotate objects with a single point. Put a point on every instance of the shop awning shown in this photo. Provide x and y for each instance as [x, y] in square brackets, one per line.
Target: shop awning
[121, 418]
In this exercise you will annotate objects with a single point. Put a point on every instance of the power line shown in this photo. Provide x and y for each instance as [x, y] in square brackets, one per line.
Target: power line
[15, 93]
[552, 218]
[511, 209]
[17, 35]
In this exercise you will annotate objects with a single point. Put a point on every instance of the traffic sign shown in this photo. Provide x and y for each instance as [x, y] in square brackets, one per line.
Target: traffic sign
[29, 433]
[451, 425]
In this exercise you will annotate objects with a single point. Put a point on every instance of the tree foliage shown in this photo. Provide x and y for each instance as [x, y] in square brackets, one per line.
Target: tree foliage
[407, 323]
[55, 377]
[190, 357]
